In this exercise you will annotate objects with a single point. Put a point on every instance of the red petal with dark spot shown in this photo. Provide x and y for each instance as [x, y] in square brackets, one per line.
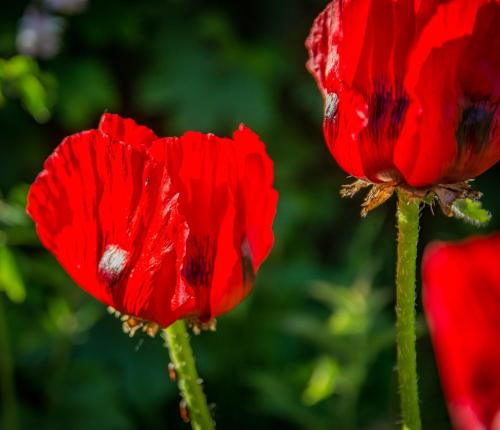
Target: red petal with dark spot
[387, 117]
[358, 53]
[258, 197]
[456, 134]
[109, 214]
[227, 198]
[158, 228]
[419, 157]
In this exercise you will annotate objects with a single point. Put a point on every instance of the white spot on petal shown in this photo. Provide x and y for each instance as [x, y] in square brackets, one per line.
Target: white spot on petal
[112, 263]
[331, 104]
[361, 113]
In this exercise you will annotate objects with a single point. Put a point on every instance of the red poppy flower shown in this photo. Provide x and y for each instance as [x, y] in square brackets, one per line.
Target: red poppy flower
[411, 88]
[159, 229]
[226, 196]
[462, 304]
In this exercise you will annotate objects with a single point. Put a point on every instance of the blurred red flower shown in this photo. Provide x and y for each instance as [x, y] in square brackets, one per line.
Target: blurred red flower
[462, 305]
[411, 88]
[158, 229]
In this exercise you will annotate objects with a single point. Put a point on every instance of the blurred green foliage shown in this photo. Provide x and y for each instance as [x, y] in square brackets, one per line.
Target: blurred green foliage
[20, 77]
[312, 347]
[10, 279]
[471, 211]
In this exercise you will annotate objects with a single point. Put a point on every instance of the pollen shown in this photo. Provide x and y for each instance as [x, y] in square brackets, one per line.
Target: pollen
[112, 263]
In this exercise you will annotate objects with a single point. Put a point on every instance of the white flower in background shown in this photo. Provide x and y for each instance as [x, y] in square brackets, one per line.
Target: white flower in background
[66, 6]
[39, 34]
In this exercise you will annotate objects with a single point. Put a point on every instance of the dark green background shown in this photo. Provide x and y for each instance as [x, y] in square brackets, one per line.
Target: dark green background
[312, 347]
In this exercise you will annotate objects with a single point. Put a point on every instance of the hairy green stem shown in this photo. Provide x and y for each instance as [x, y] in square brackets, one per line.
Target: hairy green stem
[407, 221]
[10, 417]
[190, 386]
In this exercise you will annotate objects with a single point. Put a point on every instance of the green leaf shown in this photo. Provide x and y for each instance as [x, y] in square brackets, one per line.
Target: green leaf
[33, 97]
[471, 211]
[10, 278]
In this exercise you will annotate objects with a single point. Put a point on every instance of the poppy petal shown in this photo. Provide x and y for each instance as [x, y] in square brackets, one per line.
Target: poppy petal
[457, 105]
[450, 20]
[227, 198]
[259, 198]
[111, 217]
[478, 129]
[203, 168]
[228, 287]
[346, 115]
[374, 61]
[462, 304]
[417, 155]
[322, 45]
[126, 130]
[360, 72]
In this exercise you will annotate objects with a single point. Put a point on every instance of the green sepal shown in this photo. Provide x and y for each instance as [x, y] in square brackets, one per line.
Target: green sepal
[471, 211]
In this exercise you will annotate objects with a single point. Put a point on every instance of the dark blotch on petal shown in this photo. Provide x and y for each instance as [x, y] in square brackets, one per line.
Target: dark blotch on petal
[247, 265]
[199, 263]
[476, 124]
[386, 110]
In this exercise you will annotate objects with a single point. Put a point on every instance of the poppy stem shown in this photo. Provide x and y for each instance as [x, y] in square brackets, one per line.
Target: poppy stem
[9, 414]
[407, 225]
[181, 354]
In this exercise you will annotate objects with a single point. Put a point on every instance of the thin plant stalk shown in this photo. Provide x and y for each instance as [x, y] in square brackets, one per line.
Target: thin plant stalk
[181, 355]
[10, 418]
[407, 225]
